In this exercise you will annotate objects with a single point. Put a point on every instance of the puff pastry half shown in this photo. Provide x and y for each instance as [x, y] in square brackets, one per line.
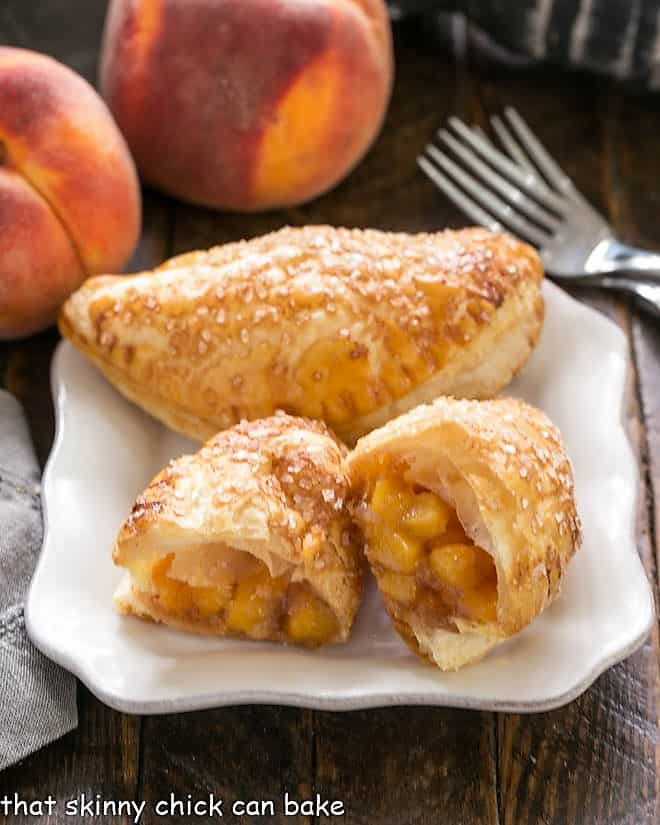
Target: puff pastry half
[470, 521]
[350, 326]
[250, 536]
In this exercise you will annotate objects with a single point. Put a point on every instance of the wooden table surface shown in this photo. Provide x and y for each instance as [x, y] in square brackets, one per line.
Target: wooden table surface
[596, 760]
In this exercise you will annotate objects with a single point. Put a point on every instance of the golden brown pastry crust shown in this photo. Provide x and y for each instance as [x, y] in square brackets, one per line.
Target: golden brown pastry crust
[503, 466]
[274, 488]
[349, 326]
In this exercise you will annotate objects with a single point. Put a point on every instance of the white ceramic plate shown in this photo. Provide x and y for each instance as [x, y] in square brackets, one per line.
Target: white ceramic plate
[106, 450]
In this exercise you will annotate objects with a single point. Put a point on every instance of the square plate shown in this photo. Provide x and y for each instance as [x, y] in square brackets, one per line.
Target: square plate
[106, 450]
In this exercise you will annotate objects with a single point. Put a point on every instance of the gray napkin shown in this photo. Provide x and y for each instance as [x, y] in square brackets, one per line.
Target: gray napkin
[37, 698]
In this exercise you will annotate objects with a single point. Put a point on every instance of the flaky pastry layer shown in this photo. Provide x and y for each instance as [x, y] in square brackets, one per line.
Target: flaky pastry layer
[501, 465]
[350, 326]
[265, 498]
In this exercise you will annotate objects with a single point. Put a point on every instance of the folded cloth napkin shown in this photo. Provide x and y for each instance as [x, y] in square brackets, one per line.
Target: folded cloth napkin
[37, 698]
[620, 38]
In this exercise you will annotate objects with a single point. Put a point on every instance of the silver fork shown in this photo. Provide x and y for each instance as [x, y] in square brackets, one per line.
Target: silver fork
[524, 190]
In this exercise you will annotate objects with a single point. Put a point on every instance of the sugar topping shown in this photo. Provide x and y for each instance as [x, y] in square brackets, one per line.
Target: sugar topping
[404, 303]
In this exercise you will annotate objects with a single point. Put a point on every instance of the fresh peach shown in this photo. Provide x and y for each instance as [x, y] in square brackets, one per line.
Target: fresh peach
[69, 193]
[247, 104]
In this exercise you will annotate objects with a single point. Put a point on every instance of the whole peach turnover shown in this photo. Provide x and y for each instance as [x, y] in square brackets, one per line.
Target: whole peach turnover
[247, 104]
[69, 193]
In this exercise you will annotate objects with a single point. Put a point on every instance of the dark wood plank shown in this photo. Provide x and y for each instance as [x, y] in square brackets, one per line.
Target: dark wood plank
[73, 39]
[634, 166]
[237, 754]
[421, 766]
[157, 227]
[596, 759]
[26, 374]
[69, 33]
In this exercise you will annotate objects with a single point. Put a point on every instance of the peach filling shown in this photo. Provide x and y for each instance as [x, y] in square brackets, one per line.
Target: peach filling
[245, 600]
[423, 559]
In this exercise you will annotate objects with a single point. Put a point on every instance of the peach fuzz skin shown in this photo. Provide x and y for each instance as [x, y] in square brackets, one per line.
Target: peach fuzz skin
[69, 192]
[247, 104]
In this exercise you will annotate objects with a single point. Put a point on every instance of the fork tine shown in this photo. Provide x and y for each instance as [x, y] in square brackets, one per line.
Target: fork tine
[467, 205]
[554, 174]
[513, 194]
[495, 206]
[506, 139]
[532, 184]
[480, 132]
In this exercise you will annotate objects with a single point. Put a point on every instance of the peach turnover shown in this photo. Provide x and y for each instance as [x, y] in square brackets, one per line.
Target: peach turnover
[469, 519]
[345, 325]
[249, 537]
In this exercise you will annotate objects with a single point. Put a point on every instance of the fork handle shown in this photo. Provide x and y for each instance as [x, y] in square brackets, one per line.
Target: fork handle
[616, 258]
[645, 293]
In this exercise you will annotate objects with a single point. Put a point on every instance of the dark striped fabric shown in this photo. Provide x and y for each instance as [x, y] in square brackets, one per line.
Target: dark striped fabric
[616, 37]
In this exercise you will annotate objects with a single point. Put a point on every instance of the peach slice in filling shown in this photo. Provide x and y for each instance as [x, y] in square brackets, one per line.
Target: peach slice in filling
[245, 600]
[424, 561]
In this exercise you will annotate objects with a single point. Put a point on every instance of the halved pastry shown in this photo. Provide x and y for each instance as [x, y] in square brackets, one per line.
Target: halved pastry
[469, 519]
[349, 326]
[248, 537]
